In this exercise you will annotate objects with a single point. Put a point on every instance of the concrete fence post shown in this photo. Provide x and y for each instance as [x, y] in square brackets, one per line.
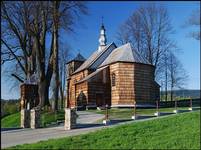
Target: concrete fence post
[70, 119]
[35, 118]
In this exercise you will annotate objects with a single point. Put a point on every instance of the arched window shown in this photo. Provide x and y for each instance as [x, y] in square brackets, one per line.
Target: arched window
[113, 79]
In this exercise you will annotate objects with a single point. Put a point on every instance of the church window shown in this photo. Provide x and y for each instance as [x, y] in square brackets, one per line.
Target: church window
[113, 79]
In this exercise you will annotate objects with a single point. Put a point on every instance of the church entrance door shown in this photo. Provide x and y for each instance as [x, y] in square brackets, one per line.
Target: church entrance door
[99, 99]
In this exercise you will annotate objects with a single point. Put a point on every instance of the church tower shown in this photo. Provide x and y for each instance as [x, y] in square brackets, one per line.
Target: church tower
[102, 38]
[74, 64]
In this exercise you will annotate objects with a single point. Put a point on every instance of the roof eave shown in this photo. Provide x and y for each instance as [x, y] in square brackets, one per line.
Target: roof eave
[125, 62]
[94, 60]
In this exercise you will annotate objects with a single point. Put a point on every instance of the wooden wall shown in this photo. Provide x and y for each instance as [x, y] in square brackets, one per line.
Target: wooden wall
[82, 93]
[29, 94]
[99, 85]
[72, 88]
[133, 81]
[144, 84]
[123, 91]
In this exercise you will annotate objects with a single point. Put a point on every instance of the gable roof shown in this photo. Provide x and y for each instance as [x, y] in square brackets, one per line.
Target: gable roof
[124, 53]
[91, 75]
[79, 57]
[93, 58]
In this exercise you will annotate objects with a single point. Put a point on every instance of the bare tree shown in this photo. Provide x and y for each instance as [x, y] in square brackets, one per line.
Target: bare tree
[60, 11]
[16, 44]
[64, 57]
[194, 21]
[29, 24]
[148, 29]
[177, 75]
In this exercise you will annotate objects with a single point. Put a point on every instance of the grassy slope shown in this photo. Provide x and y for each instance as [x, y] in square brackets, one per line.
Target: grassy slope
[179, 131]
[11, 121]
[47, 117]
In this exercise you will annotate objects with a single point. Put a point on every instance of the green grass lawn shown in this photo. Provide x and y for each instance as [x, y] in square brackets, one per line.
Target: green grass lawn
[46, 118]
[11, 121]
[181, 131]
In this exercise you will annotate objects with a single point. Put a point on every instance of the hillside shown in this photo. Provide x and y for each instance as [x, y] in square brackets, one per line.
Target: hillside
[185, 93]
[181, 131]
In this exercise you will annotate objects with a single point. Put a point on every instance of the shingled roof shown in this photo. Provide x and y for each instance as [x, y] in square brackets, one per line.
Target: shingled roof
[93, 58]
[124, 53]
[79, 57]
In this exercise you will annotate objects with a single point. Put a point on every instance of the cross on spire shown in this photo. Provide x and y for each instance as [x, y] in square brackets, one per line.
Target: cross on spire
[102, 38]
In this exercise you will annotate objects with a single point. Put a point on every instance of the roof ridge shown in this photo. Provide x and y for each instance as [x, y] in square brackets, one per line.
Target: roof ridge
[124, 53]
[97, 55]
[100, 53]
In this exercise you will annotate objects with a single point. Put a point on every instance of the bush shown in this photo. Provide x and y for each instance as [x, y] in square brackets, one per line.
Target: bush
[9, 107]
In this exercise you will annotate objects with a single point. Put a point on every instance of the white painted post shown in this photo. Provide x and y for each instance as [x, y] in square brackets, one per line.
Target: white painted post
[157, 113]
[191, 105]
[175, 111]
[106, 121]
[134, 117]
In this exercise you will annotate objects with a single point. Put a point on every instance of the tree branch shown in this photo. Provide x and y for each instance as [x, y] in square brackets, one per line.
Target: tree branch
[22, 67]
[18, 78]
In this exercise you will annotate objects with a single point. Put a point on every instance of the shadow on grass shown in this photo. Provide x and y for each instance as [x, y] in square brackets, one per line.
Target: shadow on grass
[9, 129]
[139, 117]
[197, 108]
[115, 121]
[182, 111]
[79, 125]
[166, 113]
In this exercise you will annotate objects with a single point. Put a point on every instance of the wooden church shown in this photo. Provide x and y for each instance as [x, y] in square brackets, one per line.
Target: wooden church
[116, 76]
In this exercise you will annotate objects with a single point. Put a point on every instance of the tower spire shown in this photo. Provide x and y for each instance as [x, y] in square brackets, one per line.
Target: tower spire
[102, 38]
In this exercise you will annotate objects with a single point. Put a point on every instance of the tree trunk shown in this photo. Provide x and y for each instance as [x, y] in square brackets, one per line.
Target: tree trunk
[43, 91]
[55, 54]
[60, 87]
[166, 80]
[62, 96]
[171, 94]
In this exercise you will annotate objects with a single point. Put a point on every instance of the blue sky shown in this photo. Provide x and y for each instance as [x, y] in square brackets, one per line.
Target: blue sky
[115, 13]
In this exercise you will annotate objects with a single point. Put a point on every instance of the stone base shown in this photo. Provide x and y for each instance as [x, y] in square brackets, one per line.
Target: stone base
[25, 118]
[106, 122]
[70, 119]
[190, 108]
[175, 111]
[35, 118]
[134, 117]
[157, 114]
